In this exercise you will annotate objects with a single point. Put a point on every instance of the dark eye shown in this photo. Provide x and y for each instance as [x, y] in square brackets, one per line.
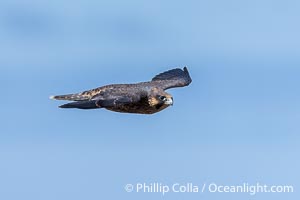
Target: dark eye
[163, 98]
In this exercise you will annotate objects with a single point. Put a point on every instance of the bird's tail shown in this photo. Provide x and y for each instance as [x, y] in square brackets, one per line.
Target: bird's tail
[71, 97]
[81, 105]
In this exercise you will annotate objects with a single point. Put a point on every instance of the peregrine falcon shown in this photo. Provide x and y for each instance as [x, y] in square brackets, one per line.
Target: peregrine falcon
[142, 98]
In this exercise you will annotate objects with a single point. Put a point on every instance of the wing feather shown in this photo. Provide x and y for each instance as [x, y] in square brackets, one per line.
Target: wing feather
[115, 102]
[173, 78]
[84, 96]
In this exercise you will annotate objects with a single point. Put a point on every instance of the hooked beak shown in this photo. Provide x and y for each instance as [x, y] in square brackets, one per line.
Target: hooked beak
[169, 101]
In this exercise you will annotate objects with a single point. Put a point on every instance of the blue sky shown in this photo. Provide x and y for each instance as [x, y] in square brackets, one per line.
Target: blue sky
[237, 122]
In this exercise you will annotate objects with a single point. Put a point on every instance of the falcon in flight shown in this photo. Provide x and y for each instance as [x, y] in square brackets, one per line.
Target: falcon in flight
[143, 98]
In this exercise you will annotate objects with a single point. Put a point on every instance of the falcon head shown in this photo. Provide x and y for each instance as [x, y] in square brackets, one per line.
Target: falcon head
[165, 99]
[160, 99]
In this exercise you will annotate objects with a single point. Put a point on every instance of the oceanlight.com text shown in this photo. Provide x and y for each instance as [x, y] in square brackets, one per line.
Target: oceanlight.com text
[251, 189]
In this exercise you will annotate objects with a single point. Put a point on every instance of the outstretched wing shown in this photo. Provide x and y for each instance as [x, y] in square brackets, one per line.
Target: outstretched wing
[115, 102]
[83, 96]
[100, 103]
[107, 97]
[173, 78]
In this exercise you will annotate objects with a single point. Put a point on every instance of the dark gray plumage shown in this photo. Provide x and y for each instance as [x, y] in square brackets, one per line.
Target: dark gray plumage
[143, 98]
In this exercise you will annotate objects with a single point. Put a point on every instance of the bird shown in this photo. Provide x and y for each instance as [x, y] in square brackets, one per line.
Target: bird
[139, 98]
